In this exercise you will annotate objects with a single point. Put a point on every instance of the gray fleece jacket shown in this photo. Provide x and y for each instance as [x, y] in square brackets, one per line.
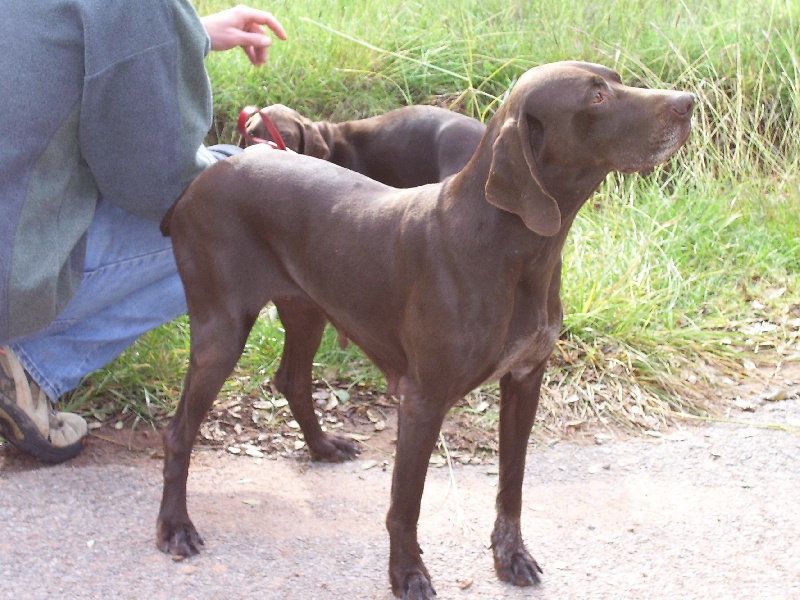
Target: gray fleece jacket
[98, 98]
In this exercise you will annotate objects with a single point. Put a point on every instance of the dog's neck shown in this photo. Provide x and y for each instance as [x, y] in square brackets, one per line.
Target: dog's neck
[328, 132]
[337, 136]
[570, 190]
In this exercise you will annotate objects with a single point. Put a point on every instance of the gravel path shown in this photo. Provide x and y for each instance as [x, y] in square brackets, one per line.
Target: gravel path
[703, 512]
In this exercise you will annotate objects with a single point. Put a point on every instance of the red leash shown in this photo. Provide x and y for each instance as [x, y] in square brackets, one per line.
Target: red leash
[246, 113]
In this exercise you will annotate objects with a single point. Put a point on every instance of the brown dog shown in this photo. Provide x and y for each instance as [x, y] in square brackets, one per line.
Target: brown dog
[443, 286]
[405, 147]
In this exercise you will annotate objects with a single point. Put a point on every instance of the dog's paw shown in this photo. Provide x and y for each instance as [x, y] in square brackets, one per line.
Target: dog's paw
[416, 585]
[512, 561]
[517, 566]
[178, 539]
[521, 569]
[333, 448]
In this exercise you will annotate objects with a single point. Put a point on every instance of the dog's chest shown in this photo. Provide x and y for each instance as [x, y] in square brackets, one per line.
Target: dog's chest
[524, 354]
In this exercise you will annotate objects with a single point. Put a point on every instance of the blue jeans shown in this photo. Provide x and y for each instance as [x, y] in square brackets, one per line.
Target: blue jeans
[130, 285]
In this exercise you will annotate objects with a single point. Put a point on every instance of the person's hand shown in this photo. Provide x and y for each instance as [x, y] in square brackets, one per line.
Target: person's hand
[243, 26]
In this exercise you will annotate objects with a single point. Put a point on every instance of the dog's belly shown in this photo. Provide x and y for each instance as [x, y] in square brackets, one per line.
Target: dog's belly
[525, 354]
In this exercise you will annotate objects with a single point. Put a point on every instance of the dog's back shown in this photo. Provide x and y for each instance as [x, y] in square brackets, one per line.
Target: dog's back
[409, 146]
[268, 217]
[403, 148]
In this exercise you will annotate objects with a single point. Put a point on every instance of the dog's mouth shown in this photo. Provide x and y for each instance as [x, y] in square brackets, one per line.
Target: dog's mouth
[661, 149]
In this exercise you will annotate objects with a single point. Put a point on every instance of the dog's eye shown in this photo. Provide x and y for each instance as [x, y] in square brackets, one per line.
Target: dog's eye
[598, 98]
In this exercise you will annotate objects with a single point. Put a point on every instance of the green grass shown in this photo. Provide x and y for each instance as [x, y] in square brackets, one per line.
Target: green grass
[672, 280]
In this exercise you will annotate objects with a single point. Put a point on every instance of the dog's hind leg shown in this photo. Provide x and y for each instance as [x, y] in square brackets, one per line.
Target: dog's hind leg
[519, 398]
[304, 324]
[215, 348]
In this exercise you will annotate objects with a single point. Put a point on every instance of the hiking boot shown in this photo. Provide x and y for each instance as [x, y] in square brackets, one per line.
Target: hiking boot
[28, 419]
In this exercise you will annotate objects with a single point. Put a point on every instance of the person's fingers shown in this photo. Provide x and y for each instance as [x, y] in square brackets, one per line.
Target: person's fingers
[246, 27]
[254, 39]
[257, 56]
[257, 53]
[276, 27]
[250, 16]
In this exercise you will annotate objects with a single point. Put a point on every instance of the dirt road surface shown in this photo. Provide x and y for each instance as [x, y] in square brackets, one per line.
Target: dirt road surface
[702, 512]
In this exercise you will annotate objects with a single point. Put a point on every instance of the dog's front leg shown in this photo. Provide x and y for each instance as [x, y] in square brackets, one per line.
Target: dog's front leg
[519, 398]
[418, 423]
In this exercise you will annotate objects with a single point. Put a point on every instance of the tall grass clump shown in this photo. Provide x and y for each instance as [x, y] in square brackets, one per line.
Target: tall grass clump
[677, 283]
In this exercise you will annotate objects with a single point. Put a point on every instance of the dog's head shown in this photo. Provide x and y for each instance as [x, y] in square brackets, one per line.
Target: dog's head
[572, 118]
[298, 132]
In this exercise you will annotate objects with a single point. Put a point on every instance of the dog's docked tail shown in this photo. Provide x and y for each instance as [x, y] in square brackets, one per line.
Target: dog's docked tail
[165, 222]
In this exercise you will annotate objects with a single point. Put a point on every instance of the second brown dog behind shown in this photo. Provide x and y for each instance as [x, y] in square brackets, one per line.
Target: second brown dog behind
[405, 147]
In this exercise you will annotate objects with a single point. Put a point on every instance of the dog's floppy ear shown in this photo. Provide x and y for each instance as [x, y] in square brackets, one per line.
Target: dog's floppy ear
[514, 183]
[313, 142]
